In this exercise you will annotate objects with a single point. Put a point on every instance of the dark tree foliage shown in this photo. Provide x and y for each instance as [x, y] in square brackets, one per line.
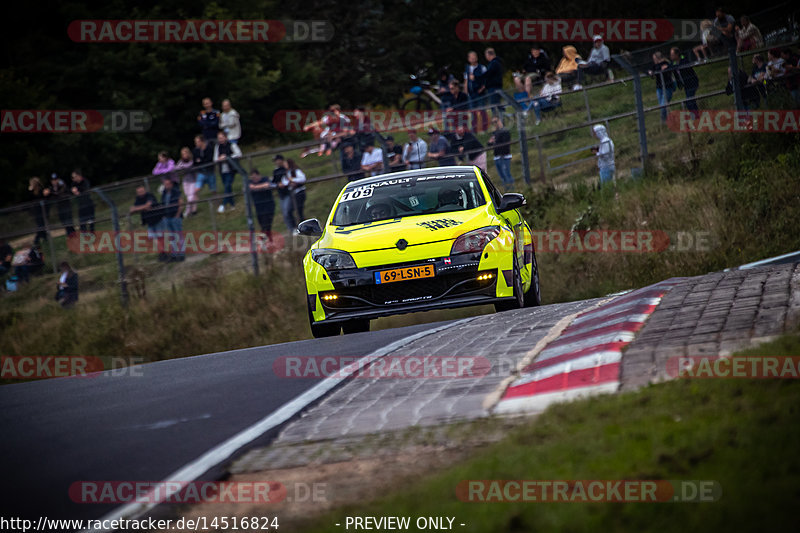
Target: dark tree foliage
[376, 45]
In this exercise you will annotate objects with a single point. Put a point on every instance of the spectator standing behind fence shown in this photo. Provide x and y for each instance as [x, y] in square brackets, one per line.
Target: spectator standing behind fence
[665, 82]
[223, 153]
[567, 69]
[58, 193]
[440, 149]
[472, 73]
[208, 119]
[466, 144]
[351, 163]
[492, 79]
[80, 188]
[230, 123]
[501, 141]
[535, 67]
[791, 68]
[751, 97]
[263, 202]
[598, 62]
[748, 35]
[36, 189]
[686, 78]
[415, 151]
[548, 97]
[605, 154]
[395, 154]
[457, 101]
[188, 180]
[372, 160]
[172, 223]
[147, 205]
[292, 193]
[203, 154]
[67, 286]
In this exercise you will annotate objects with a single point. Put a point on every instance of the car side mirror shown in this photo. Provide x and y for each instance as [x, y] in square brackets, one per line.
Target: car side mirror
[310, 227]
[509, 201]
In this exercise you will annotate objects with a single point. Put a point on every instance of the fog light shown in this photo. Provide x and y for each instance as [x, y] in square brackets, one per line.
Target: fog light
[329, 297]
[485, 276]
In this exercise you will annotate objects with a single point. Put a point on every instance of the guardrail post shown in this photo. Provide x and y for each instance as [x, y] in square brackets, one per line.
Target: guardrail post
[737, 88]
[248, 211]
[541, 159]
[586, 103]
[123, 283]
[49, 236]
[637, 91]
[523, 136]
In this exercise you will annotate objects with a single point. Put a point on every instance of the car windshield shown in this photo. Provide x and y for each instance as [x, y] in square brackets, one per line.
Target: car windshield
[407, 196]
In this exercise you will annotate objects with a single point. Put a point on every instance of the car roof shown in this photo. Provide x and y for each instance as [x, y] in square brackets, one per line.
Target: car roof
[436, 171]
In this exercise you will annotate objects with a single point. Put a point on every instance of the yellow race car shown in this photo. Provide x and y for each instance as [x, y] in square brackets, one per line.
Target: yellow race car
[418, 240]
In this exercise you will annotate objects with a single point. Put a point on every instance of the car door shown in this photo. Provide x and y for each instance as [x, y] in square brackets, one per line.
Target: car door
[514, 220]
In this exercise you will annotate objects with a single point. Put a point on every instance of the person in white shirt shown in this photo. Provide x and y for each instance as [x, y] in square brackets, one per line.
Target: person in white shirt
[415, 151]
[229, 122]
[599, 59]
[605, 153]
[548, 97]
[372, 160]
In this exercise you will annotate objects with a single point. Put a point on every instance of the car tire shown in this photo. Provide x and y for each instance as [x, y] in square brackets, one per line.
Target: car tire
[533, 297]
[355, 326]
[519, 300]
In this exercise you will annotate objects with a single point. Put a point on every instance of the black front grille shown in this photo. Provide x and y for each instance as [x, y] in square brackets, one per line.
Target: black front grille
[402, 292]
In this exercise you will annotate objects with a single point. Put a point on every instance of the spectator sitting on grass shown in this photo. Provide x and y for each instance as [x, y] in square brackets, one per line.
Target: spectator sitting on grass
[223, 152]
[415, 151]
[599, 59]
[80, 188]
[567, 68]
[147, 204]
[28, 261]
[263, 202]
[707, 40]
[67, 286]
[759, 71]
[229, 122]
[748, 35]
[750, 93]
[535, 67]
[775, 63]
[548, 96]
[208, 119]
[189, 181]
[726, 26]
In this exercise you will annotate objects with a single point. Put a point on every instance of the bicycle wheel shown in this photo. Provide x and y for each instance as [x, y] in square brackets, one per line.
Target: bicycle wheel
[416, 103]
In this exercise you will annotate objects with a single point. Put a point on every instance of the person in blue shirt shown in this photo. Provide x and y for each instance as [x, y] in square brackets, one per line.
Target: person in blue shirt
[172, 223]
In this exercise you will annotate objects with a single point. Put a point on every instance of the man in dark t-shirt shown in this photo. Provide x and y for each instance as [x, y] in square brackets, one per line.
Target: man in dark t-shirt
[263, 202]
[147, 204]
[395, 154]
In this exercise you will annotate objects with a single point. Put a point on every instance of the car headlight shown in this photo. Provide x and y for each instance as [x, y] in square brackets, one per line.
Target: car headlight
[332, 259]
[475, 241]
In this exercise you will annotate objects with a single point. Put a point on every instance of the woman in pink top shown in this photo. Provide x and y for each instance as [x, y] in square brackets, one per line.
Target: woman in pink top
[165, 165]
[189, 181]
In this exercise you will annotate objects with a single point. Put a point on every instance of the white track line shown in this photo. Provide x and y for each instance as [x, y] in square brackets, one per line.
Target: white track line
[223, 451]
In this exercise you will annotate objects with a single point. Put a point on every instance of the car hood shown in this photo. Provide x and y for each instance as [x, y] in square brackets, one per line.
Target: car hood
[415, 230]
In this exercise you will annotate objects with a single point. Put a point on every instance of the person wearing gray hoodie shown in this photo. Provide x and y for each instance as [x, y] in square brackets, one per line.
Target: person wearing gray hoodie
[605, 153]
